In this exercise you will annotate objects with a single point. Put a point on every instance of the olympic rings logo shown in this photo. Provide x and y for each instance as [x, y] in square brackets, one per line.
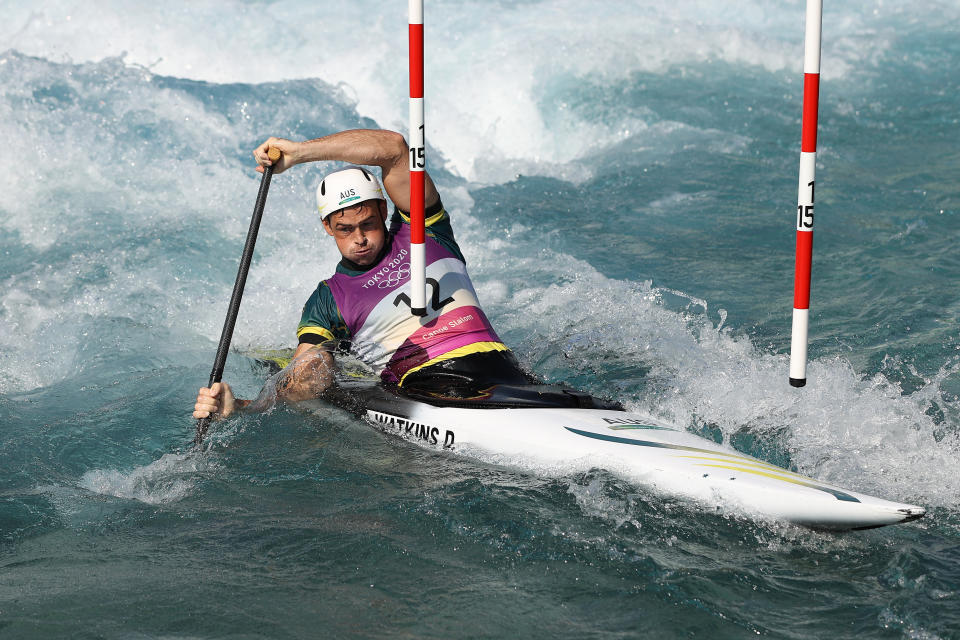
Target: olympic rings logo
[395, 277]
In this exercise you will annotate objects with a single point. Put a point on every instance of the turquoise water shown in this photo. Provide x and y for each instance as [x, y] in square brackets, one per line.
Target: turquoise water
[623, 184]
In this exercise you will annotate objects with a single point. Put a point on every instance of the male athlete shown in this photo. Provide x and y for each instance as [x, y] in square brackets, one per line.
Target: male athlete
[366, 302]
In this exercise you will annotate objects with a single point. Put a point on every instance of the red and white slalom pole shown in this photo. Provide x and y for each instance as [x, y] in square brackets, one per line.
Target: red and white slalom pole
[418, 164]
[805, 197]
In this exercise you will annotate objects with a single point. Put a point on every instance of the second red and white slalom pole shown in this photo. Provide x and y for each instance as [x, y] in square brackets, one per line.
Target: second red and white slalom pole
[805, 194]
[418, 164]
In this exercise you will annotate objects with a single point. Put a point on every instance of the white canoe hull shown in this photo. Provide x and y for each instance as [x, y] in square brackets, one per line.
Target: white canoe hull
[643, 450]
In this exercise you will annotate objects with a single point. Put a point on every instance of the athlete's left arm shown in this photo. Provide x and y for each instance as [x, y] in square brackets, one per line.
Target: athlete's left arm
[373, 147]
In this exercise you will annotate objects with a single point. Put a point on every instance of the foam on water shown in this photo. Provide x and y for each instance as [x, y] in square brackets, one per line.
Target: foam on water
[168, 479]
[525, 52]
[671, 359]
[109, 172]
[122, 218]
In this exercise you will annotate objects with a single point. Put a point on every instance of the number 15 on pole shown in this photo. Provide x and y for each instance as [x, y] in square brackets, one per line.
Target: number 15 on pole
[805, 194]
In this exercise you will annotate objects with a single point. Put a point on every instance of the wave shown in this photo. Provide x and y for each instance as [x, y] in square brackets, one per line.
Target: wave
[496, 85]
[134, 189]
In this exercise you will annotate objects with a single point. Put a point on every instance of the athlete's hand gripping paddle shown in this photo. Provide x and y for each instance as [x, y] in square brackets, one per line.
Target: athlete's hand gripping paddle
[234, 309]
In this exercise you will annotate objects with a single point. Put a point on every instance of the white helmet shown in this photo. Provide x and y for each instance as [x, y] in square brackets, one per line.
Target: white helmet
[345, 188]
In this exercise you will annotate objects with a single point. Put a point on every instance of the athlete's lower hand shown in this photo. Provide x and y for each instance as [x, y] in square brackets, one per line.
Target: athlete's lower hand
[288, 149]
[217, 402]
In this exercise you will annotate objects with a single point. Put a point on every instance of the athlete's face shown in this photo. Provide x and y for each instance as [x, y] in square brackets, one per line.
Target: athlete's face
[360, 231]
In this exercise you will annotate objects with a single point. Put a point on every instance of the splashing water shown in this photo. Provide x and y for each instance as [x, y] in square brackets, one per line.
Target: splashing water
[621, 180]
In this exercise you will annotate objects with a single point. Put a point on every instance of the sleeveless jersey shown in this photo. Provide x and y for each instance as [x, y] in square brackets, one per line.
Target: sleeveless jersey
[372, 308]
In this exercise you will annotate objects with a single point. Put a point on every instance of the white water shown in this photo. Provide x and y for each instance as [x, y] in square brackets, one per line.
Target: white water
[116, 164]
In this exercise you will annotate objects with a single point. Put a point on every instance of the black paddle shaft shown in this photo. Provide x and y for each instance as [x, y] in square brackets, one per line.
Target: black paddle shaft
[218, 364]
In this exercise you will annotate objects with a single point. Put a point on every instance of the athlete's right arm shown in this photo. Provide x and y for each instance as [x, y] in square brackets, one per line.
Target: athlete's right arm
[308, 375]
